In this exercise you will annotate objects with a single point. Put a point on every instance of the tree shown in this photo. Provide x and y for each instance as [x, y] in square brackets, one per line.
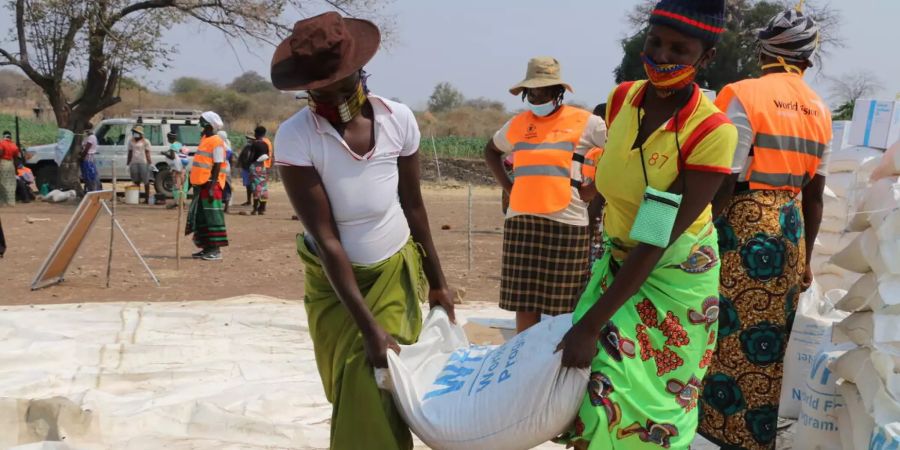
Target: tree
[228, 103]
[251, 83]
[484, 103]
[736, 57]
[444, 98]
[845, 90]
[190, 85]
[97, 43]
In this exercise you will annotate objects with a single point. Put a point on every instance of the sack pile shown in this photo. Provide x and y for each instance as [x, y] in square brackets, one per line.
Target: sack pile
[869, 374]
[848, 172]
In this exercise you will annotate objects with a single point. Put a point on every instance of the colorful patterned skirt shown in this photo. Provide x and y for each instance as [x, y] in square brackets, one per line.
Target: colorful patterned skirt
[259, 181]
[7, 182]
[645, 380]
[544, 266]
[763, 257]
[206, 218]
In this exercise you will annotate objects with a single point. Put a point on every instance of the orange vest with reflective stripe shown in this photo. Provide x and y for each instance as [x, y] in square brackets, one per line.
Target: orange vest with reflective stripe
[544, 149]
[268, 163]
[589, 166]
[791, 129]
[201, 167]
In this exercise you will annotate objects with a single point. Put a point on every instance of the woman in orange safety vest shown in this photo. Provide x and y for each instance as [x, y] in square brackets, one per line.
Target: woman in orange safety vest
[766, 232]
[545, 234]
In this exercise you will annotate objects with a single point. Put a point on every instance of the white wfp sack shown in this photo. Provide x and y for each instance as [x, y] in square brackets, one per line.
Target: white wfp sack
[817, 425]
[812, 325]
[886, 437]
[849, 159]
[868, 329]
[871, 294]
[855, 423]
[456, 396]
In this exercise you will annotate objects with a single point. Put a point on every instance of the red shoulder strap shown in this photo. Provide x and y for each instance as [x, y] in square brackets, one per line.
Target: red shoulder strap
[707, 126]
[618, 99]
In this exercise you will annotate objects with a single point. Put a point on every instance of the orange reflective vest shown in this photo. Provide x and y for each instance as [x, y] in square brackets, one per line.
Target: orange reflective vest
[791, 129]
[268, 163]
[544, 149]
[201, 167]
[589, 166]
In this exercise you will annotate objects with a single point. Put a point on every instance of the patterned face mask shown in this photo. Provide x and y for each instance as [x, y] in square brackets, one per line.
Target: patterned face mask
[343, 111]
[668, 78]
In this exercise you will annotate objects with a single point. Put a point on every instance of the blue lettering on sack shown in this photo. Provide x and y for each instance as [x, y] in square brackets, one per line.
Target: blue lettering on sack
[453, 377]
[881, 442]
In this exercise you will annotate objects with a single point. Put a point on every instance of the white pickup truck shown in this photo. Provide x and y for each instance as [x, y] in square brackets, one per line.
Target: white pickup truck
[112, 139]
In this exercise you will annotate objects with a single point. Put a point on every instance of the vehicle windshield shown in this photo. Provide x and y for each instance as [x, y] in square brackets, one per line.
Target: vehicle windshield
[187, 134]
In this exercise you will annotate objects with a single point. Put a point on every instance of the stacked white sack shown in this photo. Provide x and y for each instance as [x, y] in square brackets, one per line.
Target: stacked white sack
[848, 171]
[869, 375]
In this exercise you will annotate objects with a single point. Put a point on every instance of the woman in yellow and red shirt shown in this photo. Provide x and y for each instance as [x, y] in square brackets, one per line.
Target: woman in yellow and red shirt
[646, 323]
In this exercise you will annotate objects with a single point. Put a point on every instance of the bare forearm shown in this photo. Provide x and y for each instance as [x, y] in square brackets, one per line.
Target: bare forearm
[421, 233]
[495, 164]
[723, 196]
[812, 219]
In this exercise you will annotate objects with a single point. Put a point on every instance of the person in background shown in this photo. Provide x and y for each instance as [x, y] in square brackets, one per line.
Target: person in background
[646, 324]
[261, 132]
[176, 167]
[244, 162]
[545, 234]
[770, 210]
[138, 160]
[88, 166]
[8, 153]
[595, 207]
[25, 183]
[259, 175]
[2, 241]
[350, 166]
[229, 154]
[206, 217]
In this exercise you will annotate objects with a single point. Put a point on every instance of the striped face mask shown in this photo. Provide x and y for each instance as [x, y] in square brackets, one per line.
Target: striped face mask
[344, 111]
[668, 78]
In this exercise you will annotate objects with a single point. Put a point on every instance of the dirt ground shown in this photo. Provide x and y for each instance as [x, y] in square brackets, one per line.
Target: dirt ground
[261, 257]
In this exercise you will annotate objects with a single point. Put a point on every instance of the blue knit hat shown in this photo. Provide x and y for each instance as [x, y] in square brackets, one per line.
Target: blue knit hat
[702, 19]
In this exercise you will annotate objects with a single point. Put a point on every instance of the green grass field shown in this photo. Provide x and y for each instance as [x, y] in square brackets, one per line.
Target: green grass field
[455, 146]
[32, 133]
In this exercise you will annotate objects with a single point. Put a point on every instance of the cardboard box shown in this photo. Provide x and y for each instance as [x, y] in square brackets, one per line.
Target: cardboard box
[876, 123]
[840, 134]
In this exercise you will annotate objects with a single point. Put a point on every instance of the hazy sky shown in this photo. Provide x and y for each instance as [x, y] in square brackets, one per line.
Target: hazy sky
[482, 47]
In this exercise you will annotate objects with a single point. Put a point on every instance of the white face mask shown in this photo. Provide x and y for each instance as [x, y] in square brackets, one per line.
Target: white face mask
[542, 110]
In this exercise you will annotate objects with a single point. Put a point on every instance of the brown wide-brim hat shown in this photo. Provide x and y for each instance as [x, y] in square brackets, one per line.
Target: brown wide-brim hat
[322, 50]
[542, 71]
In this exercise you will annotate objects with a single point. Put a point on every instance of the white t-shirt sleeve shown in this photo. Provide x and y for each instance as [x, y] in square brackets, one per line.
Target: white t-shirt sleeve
[412, 134]
[500, 139]
[823, 163]
[595, 132]
[738, 116]
[219, 154]
[291, 144]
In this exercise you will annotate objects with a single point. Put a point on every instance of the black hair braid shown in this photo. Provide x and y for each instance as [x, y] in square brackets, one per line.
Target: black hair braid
[560, 94]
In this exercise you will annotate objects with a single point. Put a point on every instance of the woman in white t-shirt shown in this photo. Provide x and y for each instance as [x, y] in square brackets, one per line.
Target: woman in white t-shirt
[350, 166]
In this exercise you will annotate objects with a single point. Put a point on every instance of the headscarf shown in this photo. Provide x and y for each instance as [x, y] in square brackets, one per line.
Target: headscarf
[790, 36]
[213, 119]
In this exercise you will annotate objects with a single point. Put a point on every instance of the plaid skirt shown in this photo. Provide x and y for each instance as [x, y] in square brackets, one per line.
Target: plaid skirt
[545, 265]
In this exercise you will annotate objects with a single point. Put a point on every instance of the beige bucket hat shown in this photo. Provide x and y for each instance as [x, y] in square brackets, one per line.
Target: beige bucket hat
[542, 71]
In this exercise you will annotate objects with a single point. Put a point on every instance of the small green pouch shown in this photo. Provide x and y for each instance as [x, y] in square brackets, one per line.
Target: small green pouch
[656, 218]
